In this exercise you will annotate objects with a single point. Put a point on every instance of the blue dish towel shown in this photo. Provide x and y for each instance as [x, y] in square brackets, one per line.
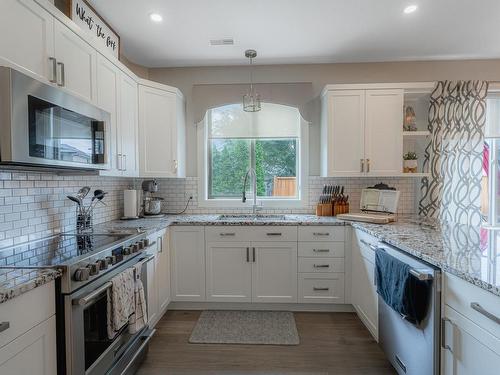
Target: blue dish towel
[399, 289]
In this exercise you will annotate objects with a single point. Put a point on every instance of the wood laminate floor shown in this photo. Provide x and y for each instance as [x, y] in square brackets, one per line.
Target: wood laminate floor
[330, 343]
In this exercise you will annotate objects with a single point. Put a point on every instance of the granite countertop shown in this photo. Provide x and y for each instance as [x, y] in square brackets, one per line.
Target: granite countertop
[14, 282]
[468, 252]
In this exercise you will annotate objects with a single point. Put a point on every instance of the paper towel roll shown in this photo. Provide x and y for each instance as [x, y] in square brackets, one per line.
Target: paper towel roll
[130, 203]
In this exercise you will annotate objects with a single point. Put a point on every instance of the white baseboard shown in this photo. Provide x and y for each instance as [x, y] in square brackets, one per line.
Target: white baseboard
[181, 305]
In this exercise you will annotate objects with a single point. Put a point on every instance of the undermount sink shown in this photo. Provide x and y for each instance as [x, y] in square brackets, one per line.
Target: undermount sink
[255, 217]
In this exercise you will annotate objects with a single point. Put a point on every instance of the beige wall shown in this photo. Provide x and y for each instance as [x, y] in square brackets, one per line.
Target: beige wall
[139, 70]
[319, 75]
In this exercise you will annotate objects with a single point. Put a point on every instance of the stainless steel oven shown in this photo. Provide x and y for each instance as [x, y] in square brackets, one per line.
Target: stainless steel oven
[88, 349]
[42, 125]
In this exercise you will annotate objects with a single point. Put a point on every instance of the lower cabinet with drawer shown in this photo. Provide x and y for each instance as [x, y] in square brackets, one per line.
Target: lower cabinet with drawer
[28, 333]
[470, 329]
[321, 264]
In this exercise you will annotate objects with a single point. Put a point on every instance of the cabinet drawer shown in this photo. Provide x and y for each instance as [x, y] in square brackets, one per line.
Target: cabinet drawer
[251, 233]
[227, 233]
[274, 233]
[462, 296]
[26, 311]
[321, 249]
[321, 288]
[321, 233]
[318, 265]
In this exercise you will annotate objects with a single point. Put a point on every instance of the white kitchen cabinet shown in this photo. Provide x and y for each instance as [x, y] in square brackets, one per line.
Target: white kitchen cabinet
[33, 46]
[76, 63]
[187, 247]
[128, 126]
[161, 132]
[363, 290]
[163, 270]
[469, 349]
[384, 132]
[34, 352]
[361, 131]
[274, 272]
[342, 133]
[229, 271]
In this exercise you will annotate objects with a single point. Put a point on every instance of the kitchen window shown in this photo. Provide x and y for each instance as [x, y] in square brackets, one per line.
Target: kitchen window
[271, 141]
[490, 183]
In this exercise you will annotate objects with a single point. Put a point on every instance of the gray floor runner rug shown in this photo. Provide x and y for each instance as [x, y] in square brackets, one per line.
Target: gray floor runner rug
[245, 327]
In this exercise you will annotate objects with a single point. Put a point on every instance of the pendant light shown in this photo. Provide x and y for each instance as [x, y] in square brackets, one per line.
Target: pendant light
[251, 101]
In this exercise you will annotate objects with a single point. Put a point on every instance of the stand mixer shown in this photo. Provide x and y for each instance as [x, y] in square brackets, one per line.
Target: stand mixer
[151, 205]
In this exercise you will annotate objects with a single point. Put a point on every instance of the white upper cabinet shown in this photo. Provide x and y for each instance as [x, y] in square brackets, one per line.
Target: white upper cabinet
[128, 126]
[342, 134]
[161, 132]
[361, 132]
[33, 45]
[384, 132]
[76, 63]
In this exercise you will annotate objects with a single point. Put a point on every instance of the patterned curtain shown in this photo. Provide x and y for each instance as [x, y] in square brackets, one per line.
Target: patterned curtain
[457, 117]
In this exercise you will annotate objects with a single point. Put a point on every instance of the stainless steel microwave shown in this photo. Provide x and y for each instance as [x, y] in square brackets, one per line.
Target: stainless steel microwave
[42, 125]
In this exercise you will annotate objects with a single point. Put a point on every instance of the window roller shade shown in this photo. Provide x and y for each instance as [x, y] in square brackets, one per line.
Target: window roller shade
[273, 121]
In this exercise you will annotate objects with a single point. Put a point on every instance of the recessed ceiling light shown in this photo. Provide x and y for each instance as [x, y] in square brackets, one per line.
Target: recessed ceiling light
[410, 9]
[155, 17]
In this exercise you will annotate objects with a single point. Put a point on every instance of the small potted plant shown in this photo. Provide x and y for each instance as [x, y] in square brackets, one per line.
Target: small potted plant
[410, 162]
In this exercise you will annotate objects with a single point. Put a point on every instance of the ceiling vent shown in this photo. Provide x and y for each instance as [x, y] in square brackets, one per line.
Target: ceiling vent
[222, 42]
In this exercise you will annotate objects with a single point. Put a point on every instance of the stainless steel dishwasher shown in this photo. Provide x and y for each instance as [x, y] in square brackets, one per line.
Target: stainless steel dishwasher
[412, 350]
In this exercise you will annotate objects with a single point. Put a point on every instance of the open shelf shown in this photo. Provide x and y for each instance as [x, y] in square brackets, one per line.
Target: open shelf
[416, 134]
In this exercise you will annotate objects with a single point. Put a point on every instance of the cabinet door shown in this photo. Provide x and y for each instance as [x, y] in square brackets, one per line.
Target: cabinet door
[229, 272]
[157, 132]
[384, 132]
[344, 132]
[187, 246]
[128, 129]
[76, 62]
[364, 294]
[274, 272]
[163, 271]
[471, 349]
[32, 353]
[33, 45]
[108, 78]
[152, 291]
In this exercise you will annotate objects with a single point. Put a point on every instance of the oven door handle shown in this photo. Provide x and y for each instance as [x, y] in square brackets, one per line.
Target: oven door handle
[89, 297]
[146, 339]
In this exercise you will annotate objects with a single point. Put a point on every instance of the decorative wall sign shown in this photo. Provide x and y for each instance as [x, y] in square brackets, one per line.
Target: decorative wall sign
[89, 20]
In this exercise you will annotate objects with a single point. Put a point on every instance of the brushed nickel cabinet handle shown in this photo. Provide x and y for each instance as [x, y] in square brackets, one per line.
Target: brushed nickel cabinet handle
[476, 306]
[368, 244]
[321, 265]
[62, 83]
[253, 253]
[321, 234]
[248, 255]
[124, 162]
[231, 234]
[443, 334]
[53, 71]
[274, 234]
[160, 247]
[320, 289]
[4, 326]
[321, 250]
[362, 165]
[368, 165]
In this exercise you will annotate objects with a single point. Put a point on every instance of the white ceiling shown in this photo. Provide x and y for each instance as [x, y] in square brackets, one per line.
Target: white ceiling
[303, 31]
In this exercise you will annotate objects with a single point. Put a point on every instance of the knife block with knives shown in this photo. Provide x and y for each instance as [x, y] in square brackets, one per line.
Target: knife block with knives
[332, 201]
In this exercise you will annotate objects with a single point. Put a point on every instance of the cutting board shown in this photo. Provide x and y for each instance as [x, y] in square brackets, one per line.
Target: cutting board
[368, 218]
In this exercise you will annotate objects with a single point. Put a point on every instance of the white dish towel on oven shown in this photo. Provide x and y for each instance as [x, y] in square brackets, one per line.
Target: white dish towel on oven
[121, 301]
[139, 318]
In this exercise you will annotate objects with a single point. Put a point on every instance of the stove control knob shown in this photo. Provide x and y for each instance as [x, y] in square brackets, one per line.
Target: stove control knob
[140, 245]
[81, 274]
[127, 250]
[145, 242]
[103, 264]
[111, 259]
[94, 268]
[136, 247]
